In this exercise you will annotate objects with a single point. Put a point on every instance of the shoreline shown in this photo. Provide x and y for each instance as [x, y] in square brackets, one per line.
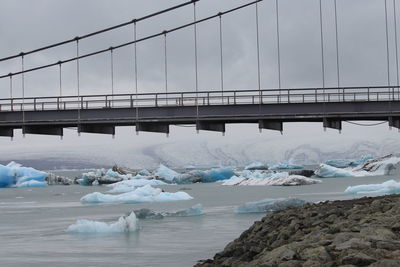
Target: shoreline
[356, 232]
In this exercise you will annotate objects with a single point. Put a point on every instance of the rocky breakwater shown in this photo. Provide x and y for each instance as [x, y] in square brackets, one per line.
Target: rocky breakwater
[359, 232]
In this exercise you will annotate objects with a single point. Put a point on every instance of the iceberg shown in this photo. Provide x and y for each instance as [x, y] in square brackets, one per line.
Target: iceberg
[270, 205]
[272, 179]
[379, 166]
[166, 173]
[32, 183]
[14, 173]
[130, 185]
[144, 194]
[344, 163]
[125, 224]
[103, 177]
[256, 166]
[144, 172]
[196, 210]
[286, 165]
[388, 187]
[208, 176]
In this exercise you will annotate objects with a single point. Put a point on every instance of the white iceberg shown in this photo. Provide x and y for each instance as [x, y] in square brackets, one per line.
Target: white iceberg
[379, 166]
[388, 187]
[269, 205]
[271, 179]
[286, 165]
[14, 173]
[144, 194]
[130, 185]
[166, 173]
[125, 224]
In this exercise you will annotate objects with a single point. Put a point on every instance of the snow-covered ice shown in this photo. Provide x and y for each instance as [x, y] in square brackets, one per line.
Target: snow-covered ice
[144, 194]
[388, 187]
[130, 185]
[269, 205]
[125, 224]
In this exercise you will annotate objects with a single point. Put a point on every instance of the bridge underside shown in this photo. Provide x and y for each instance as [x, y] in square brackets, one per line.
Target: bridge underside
[211, 117]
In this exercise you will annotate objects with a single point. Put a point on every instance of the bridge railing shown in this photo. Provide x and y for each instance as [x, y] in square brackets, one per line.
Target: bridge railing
[202, 98]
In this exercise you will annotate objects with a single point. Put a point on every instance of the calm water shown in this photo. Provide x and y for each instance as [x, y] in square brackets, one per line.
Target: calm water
[33, 223]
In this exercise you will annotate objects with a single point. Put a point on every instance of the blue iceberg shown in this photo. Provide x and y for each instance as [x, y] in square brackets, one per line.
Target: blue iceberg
[14, 173]
[344, 163]
[388, 187]
[270, 205]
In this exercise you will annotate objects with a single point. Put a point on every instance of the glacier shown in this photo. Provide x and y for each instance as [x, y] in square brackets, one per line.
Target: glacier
[14, 173]
[271, 179]
[144, 194]
[196, 210]
[269, 205]
[125, 224]
[388, 187]
[130, 185]
[286, 165]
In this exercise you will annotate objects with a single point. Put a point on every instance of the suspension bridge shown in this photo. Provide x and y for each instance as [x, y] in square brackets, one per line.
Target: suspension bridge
[206, 110]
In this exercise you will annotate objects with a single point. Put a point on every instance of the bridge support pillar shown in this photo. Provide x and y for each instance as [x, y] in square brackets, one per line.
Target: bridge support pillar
[333, 124]
[270, 125]
[210, 126]
[6, 131]
[96, 128]
[42, 129]
[153, 127]
[394, 122]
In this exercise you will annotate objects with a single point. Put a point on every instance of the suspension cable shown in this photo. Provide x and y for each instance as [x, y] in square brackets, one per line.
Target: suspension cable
[136, 75]
[136, 41]
[60, 78]
[221, 57]
[396, 46]
[258, 53]
[322, 47]
[166, 68]
[278, 44]
[101, 31]
[387, 44]
[337, 45]
[78, 83]
[23, 93]
[11, 87]
[195, 61]
[112, 75]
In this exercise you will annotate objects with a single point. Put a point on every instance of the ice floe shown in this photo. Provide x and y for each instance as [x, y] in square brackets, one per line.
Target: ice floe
[130, 185]
[286, 165]
[196, 210]
[269, 205]
[144, 194]
[343, 163]
[207, 176]
[14, 173]
[379, 166]
[272, 179]
[31, 183]
[256, 166]
[125, 224]
[388, 187]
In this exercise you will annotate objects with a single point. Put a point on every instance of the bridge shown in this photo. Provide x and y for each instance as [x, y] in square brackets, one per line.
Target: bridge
[206, 110]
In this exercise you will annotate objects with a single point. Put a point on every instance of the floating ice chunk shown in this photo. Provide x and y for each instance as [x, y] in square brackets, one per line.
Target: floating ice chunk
[272, 179]
[269, 205]
[286, 165]
[31, 183]
[142, 194]
[14, 173]
[144, 172]
[327, 171]
[130, 185]
[125, 224]
[196, 210]
[208, 176]
[256, 166]
[343, 163]
[388, 187]
[95, 183]
[166, 173]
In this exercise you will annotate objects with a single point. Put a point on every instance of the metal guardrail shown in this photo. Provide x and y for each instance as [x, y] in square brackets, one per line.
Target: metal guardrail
[203, 98]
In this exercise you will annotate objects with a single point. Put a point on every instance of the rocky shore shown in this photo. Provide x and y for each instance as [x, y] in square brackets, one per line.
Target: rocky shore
[359, 232]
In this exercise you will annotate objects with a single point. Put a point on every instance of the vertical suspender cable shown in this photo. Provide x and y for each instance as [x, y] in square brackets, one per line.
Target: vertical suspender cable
[396, 46]
[78, 84]
[221, 56]
[337, 46]
[11, 93]
[195, 61]
[112, 75]
[278, 44]
[136, 75]
[60, 77]
[23, 93]
[387, 45]
[166, 68]
[258, 55]
[322, 48]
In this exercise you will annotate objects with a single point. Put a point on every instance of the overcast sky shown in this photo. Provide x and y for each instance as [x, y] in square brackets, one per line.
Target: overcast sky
[26, 24]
